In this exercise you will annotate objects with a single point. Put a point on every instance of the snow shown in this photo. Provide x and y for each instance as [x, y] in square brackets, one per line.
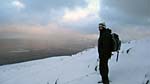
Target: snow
[133, 67]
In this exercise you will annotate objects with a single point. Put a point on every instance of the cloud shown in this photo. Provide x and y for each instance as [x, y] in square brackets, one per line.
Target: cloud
[11, 11]
[129, 18]
[134, 12]
[75, 15]
[83, 19]
[129, 32]
[18, 4]
[33, 11]
[68, 13]
[79, 13]
[46, 5]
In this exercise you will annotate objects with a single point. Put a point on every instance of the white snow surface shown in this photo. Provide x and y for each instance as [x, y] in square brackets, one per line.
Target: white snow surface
[132, 68]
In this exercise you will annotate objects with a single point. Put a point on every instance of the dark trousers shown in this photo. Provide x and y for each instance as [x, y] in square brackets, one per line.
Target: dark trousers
[103, 68]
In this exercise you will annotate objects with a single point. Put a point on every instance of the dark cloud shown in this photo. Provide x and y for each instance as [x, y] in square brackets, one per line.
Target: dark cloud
[132, 7]
[133, 12]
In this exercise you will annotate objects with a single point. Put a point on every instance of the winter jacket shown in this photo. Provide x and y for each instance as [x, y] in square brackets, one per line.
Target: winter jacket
[105, 44]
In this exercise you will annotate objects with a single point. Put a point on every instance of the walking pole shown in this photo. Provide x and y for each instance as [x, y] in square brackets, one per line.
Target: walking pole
[117, 56]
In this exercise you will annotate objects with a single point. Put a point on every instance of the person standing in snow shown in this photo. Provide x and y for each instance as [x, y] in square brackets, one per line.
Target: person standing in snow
[105, 51]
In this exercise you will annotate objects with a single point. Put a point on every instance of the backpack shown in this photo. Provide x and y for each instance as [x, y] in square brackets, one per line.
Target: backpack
[116, 44]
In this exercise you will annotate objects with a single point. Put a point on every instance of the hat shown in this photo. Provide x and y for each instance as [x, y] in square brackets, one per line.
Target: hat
[102, 24]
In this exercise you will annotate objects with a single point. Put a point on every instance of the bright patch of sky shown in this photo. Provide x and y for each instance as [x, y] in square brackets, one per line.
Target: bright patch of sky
[81, 13]
[18, 4]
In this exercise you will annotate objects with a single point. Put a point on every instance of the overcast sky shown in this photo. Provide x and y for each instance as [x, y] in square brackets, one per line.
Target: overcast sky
[127, 17]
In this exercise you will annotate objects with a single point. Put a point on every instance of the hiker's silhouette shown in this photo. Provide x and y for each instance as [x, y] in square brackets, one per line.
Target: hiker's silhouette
[105, 51]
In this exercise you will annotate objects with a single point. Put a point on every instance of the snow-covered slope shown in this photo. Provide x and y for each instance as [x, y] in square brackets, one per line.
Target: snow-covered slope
[133, 67]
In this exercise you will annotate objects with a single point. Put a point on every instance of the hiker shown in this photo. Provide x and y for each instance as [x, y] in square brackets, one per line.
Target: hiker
[105, 51]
